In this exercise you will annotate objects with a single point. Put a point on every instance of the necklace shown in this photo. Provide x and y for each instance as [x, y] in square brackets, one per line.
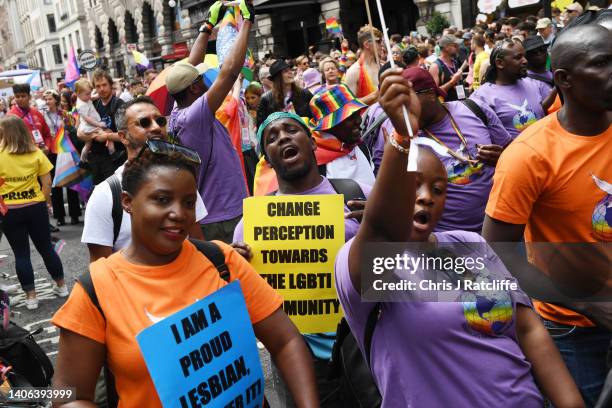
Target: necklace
[469, 159]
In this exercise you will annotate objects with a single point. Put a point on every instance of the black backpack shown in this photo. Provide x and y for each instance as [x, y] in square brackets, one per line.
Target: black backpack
[209, 249]
[30, 363]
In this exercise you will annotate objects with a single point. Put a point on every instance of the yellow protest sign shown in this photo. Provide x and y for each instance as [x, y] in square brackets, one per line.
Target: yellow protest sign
[295, 240]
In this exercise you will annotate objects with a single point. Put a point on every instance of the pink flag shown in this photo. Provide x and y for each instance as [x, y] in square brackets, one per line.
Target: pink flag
[72, 69]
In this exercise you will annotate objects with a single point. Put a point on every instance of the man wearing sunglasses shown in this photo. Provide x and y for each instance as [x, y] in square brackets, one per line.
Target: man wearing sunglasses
[536, 52]
[140, 126]
[362, 77]
[220, 179]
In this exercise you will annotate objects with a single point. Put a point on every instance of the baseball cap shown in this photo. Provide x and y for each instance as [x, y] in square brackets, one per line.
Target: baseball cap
[575, 7]
[449, 39]
[183, 74]
[543, 23]
[422, 80]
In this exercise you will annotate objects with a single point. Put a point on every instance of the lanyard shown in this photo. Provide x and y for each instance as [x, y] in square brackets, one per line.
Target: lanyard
[55, 123]
[27, 117]
[450, 151]
[452, 70]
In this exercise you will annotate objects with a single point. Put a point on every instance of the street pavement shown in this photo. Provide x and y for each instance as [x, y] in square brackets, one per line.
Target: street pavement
[75, 259]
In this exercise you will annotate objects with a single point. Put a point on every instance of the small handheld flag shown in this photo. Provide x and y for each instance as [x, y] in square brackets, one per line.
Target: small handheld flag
[332, 26]
[72, 69]
[141, 61]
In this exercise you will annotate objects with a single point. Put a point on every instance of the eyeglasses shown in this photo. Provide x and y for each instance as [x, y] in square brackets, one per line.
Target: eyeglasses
[147, 122]
[162, 147]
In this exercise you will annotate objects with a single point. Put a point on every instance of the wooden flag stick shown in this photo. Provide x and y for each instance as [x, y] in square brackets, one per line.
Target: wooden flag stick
[367, 4]
[413, 153]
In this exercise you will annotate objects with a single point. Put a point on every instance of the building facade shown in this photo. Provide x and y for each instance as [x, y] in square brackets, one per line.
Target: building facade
[159, 29]
[12, 50]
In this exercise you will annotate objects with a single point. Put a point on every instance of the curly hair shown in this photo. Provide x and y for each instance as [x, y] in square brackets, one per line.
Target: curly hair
[136, 171]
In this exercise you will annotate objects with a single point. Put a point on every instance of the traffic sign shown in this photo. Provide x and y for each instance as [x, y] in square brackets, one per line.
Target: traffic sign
[88, 60]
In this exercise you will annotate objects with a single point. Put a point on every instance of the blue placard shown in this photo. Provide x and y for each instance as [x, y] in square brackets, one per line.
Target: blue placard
[206, 354]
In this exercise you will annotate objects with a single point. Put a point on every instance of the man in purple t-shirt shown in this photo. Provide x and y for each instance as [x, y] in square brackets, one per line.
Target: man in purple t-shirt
[287, 145]
[220, 180]
[518, 101]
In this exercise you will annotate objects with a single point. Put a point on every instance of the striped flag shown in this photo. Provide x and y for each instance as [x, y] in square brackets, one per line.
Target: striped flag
[332, 26]
[72, 70]
[61, 143]
[141, 61]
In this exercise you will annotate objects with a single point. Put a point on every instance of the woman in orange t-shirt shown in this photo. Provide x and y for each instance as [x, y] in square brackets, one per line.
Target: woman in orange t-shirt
[158, 274]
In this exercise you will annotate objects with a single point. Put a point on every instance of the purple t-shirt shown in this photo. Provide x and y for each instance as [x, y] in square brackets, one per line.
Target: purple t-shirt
[432, 354]
[518, 105]
[220, 182]
[468, 186]
[321, 346]
[546, 78]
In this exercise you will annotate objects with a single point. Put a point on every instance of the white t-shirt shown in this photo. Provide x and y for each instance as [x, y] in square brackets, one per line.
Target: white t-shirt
[354, 165]
[87, 109]
[98, 228]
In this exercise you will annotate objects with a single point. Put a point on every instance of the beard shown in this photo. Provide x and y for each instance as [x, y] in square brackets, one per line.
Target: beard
[294, 174]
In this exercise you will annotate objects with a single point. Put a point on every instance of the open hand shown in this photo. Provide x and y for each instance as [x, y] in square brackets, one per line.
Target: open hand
[357, 208]
[489, 154]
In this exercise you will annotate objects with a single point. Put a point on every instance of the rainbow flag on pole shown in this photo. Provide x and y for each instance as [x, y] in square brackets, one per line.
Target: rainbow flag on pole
[61, 143]
[332, 26]
[141, 61]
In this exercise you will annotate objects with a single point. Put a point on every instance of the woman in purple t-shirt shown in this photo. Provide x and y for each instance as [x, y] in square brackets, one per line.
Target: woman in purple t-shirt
[488, 349]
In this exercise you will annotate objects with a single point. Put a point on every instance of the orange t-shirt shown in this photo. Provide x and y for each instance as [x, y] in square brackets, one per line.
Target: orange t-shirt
[132, 296]
[550, 180]
[556, 105]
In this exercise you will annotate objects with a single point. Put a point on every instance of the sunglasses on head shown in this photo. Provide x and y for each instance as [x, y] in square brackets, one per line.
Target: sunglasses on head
[162, 147]
[147, 122]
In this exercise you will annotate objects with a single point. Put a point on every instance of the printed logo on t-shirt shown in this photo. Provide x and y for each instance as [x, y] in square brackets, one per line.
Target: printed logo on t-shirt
[602, 214]
[461, 172]
[524, 116]
[487, 312]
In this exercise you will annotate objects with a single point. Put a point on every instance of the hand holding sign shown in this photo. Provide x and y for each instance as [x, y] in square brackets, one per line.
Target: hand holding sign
[205, 354]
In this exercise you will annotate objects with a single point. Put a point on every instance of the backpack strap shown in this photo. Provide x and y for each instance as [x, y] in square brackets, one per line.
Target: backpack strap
[87, 284]
[476, 110]
[369, 331]
[215, 255]
[366, 151]
[371, 131]
[117, 211]
[349, 188]
[40, 356]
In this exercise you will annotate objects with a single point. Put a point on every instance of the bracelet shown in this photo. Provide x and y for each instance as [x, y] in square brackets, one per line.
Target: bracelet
[207, 27]
[396, 144]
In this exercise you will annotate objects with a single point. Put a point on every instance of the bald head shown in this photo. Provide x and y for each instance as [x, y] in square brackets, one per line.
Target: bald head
[582, 65]
[575, 43]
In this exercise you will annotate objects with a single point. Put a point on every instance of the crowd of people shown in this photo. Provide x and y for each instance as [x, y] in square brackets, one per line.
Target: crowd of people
[512, 119]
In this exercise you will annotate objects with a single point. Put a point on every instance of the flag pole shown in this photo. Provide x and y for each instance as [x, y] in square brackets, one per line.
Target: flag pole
[367, 4]
[413, 152]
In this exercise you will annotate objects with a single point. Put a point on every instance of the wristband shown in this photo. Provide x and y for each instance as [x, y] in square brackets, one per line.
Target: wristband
[207, 27]
[395, 143]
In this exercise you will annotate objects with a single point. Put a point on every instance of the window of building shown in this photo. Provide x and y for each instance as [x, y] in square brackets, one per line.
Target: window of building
[51, 22]
[48, 2]
[57, 54]
[40, 57]
[78, 40]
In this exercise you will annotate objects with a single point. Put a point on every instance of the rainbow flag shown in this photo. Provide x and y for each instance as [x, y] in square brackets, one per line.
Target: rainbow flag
[141, 61]
[332, 26]
[72, 70]
[62, 143]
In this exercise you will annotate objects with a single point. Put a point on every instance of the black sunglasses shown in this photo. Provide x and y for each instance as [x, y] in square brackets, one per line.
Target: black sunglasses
[158, 146]
[147, 122]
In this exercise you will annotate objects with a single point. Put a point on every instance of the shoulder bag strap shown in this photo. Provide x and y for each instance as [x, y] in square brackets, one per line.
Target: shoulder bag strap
[215, 255]
[476, 110]
[349, 188]
[117, 211]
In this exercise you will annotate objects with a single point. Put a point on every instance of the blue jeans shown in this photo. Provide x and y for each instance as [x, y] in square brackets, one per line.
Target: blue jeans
[33, 222]
[584, 350]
